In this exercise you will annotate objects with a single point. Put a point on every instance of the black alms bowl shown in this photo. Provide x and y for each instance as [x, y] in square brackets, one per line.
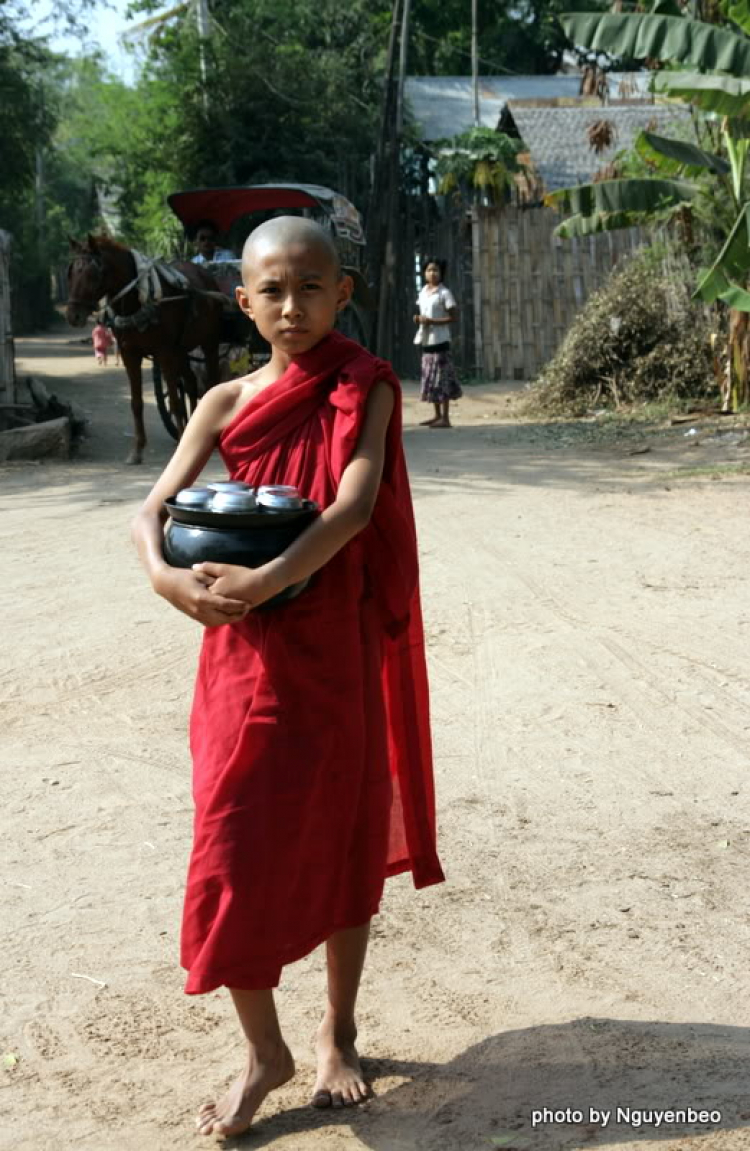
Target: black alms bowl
[196, 535]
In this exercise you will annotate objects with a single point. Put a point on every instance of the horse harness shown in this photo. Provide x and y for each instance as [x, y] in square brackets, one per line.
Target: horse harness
[150, 292]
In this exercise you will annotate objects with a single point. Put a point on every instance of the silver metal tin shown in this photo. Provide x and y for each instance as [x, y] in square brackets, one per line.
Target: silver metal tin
[230, 486]
[193, 497]
[279, 496]
[234, 500]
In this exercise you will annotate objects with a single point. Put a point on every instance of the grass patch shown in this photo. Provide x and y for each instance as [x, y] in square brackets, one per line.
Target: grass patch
[708, 471]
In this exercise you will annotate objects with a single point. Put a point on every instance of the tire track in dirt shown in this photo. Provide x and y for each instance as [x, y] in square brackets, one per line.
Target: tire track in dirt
[593, 630]
[529, 954]
[95, 684]
[476, 629]
[640, 671]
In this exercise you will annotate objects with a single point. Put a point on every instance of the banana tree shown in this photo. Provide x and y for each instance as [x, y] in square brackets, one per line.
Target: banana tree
[480, 163]
[716, 82]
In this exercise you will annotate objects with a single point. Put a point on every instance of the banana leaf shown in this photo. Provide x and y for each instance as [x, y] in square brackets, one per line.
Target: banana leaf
[630, 195]
[732, 265]
[739, 14]
[677, 157]
[675, 39]
[724, 95]
[737, 298]
[577, 225]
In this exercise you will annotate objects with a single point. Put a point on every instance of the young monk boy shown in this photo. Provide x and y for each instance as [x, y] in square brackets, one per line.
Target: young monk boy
[312, 772]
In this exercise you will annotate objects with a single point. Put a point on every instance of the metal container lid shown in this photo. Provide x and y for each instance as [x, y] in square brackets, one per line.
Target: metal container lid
[279, 496]
[234, 500]
[193, 497]
[230, 486]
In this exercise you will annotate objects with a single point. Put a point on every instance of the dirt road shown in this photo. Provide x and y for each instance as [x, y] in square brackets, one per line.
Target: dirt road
[588, 615]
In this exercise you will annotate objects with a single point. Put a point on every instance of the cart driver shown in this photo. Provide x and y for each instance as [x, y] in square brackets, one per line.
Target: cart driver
[206, 237]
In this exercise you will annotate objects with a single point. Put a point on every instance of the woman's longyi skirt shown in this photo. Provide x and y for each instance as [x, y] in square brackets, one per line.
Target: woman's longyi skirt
[439, 380]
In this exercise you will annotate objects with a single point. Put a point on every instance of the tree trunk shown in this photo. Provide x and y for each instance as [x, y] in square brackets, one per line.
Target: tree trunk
[737, 389]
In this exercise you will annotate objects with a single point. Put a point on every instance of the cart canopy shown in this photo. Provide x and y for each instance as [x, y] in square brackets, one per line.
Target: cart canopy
[225, 205]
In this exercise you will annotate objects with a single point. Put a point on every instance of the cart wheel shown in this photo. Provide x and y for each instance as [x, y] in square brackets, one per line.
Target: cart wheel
[162, 401]
[353, 322]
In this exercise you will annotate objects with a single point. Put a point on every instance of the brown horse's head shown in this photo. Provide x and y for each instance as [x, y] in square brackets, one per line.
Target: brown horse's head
[86, 280]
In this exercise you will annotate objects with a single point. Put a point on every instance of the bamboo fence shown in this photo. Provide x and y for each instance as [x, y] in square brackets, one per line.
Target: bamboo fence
[517, 285]
[529, 284]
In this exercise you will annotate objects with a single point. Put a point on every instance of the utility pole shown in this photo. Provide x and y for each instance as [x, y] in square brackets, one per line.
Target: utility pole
[202, 16]
[475, 58]
[386, 116]
[384, 200]
[402, 62]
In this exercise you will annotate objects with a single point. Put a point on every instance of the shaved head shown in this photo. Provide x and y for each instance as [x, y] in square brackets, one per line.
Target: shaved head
[286, 232]
[292, 285]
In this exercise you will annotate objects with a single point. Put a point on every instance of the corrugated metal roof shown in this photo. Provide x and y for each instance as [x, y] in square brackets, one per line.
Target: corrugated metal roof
[557, 137]
[444, 105]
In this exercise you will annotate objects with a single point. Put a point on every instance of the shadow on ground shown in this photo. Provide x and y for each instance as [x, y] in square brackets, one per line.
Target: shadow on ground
[485, 1096]
[485, 456]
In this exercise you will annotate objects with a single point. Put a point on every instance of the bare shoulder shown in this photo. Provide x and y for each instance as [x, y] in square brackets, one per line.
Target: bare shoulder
[222, 403]
[234, 395]
[378, 411]
[222, 398]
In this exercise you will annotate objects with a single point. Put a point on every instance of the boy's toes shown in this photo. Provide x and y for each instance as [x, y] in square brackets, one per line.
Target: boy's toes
[205, 1112]
[322, 1099]
[357, 1093]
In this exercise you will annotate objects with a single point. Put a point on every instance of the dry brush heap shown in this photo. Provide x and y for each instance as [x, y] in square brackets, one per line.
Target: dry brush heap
[638, 339]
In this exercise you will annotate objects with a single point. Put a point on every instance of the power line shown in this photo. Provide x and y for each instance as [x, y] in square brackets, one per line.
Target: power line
[463, 52]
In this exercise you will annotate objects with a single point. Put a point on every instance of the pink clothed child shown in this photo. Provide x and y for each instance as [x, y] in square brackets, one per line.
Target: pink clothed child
[103, 340]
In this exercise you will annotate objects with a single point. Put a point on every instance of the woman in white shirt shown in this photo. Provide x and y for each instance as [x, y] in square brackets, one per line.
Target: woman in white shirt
[437, 310]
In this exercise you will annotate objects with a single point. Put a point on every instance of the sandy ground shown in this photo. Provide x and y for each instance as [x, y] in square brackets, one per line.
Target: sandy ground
[588, 616]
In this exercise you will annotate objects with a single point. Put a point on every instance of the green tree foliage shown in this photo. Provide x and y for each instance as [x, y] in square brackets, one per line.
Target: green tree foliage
[529, 41]
[292, 93]
[517, 36]
[293, 90]
[29, 85]
[287, 90]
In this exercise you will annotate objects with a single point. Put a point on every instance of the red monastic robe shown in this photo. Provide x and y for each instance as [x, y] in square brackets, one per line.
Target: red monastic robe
[310, 733]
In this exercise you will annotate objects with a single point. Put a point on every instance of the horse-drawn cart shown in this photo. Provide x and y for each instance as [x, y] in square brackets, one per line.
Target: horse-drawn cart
[183, 316]
[242, 347]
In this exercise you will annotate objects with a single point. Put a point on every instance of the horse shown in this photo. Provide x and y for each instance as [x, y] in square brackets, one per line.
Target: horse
[158, 309]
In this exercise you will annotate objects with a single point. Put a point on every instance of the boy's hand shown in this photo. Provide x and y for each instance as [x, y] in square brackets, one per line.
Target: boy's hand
[187, 591]
[251, 586]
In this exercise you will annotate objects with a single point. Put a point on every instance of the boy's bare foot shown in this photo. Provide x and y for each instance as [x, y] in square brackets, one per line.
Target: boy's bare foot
[441, 423]
[236, 1111]
[429, 423]
[340, 1082]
